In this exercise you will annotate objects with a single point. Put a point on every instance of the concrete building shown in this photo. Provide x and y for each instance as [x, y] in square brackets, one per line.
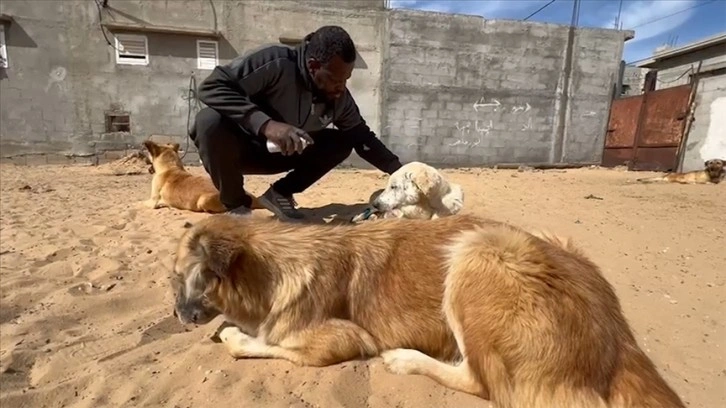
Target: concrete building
[704, 63]
[447, 89]
[633, 80]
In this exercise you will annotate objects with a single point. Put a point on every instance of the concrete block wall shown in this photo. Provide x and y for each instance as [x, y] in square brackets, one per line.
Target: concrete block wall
[679, 70]
[446, 89]
[462, 90]
[595, 68]
[634, 78]
[63, 75]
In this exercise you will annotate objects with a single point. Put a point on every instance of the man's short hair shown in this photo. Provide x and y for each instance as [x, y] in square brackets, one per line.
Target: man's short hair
[328, 42]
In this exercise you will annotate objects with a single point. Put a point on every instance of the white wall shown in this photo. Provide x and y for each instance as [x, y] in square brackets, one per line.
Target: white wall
[707, 137]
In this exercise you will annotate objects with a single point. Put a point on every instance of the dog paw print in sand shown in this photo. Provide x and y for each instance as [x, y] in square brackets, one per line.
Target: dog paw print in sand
[90, 288]
[63, 362]
[38, 189]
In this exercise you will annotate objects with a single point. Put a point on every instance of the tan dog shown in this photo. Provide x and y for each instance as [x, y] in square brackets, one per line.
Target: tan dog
[713, 172]
[416, 191]
[173, 186]
[477, 305]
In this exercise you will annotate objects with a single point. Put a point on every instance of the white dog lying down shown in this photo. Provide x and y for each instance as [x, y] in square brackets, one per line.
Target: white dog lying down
[416, 190]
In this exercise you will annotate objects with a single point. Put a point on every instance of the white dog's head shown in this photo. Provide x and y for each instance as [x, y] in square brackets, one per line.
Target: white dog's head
[418, 190]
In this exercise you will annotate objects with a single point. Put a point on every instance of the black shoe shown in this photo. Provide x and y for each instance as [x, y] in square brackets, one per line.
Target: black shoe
[240, 211]
[282, 206]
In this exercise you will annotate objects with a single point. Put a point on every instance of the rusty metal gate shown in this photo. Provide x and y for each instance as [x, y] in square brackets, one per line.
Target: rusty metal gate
[645, 131]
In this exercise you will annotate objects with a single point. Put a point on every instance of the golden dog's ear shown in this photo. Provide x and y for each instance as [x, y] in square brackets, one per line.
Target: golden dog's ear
[443, 197]
[175, 146]
[215, 253]
[152, 147]
[430, 182]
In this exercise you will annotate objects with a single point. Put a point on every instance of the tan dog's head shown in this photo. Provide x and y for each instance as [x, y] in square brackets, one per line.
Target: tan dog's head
[220, 269]
[419, 190]
[201, 262]
[163, 156]
[715, 169]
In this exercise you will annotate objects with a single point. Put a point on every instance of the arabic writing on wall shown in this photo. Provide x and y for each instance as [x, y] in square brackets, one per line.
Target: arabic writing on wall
[471, 133]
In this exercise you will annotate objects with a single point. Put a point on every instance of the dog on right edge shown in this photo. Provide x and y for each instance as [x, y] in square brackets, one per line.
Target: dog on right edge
[524, 320]
[712, 173]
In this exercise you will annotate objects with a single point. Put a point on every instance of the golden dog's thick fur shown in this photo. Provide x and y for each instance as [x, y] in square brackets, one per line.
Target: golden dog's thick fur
[173, 186]
[417, 191]
[479, 306]
[713, 173]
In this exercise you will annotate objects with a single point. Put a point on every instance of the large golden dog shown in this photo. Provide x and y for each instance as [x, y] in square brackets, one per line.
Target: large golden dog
[713, 172]
[479, 306]
[173, 186]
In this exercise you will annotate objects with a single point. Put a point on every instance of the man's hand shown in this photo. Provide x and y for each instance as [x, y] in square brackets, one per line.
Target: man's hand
[289, 138]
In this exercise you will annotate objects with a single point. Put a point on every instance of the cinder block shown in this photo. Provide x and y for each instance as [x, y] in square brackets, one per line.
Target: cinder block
[453, 106]
[395, 112]
[113, 155]
[36, 159]
[429, 114]
[58, 159]
[413, 114]
[410, 132]
[84, 160]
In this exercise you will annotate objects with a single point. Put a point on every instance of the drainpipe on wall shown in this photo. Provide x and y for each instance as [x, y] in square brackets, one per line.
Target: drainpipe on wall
[619, 82]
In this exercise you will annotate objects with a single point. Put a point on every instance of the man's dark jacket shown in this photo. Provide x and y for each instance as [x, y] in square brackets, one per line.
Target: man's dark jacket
[273, 82]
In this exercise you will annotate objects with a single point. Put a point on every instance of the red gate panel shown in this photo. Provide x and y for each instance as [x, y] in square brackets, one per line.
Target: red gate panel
[664, 114]
[623, 122]
[645, 131]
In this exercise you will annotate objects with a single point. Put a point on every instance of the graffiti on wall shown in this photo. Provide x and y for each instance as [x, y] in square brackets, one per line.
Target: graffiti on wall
[471, 133]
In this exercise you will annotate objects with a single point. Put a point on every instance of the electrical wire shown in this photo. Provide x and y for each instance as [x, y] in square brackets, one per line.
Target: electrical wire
[538, 10]
[673, 14]
[100, 7]
[690, 69]
[190, 97]
[617, 19]
[575, 13]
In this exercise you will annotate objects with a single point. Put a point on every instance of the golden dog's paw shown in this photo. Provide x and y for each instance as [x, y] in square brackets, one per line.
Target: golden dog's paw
[232, 334]
[149, 204]
[402, 361]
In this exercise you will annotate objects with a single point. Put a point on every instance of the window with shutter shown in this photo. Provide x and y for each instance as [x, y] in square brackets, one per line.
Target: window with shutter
[132, 49]
[207, 54]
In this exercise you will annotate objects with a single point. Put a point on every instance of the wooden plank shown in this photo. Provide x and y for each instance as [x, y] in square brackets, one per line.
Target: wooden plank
[201, 32]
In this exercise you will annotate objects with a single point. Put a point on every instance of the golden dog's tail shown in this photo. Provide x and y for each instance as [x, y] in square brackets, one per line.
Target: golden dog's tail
[500, 293]
[534, 316]
[637, 383]
[658, 179]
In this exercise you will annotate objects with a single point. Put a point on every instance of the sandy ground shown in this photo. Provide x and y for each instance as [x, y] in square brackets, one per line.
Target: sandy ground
[85, 309]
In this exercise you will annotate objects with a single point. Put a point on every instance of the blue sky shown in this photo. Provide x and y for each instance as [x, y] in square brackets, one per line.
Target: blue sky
[650, 19]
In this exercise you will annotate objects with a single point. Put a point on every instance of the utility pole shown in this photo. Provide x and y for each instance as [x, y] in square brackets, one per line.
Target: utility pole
[618, 23]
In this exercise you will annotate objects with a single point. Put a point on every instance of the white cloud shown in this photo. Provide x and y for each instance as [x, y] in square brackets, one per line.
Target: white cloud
[640, 15]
